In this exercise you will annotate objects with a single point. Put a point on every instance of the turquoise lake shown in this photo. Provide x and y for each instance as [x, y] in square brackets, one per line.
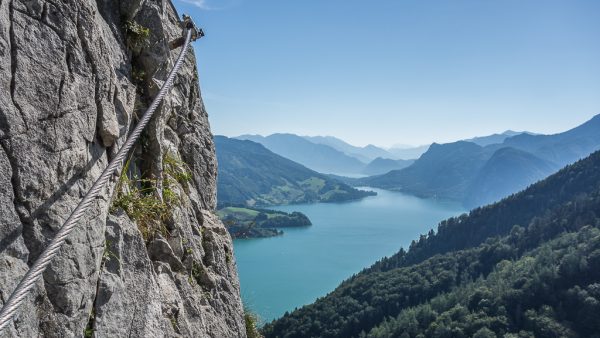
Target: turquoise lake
[281, 273]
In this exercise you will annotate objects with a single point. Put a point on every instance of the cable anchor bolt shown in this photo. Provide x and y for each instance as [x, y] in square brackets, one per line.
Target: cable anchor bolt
[186, 24]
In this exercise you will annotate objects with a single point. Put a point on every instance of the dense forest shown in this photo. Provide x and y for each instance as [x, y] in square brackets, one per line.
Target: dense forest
[527, 266]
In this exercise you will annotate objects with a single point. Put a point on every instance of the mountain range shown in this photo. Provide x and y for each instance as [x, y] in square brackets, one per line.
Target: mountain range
[478, 175]
[331, 155]
[251, 175]
[408, 152]
[382, 165]
[495, 138]
[474, 171]
[319, 157]
[527, 266]
[364, 154]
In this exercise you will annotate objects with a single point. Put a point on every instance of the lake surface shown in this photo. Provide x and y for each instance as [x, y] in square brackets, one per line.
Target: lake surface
[281, 273]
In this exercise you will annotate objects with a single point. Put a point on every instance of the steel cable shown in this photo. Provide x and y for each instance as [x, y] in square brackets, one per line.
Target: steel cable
[42, 262]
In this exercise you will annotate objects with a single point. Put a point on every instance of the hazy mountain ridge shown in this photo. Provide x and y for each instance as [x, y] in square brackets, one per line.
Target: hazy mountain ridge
[250, 174]
[384, 165]
[508, 170]
[374, 160]
[331, 155]
[365, 154]
[318, 157]
[460, 171]
[407, 153]
[444, 171]
[469, 171]
[562, 148]
[495, 138]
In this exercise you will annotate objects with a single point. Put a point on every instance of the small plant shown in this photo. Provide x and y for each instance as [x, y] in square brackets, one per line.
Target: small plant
[136, 34]
[251, 322]
[108, 254]
[174, 171]
[88, 332]
[205, 240]
[176, 168]
[138, 106]
[138, 75]
[169, 196]
[174, 323]
[197, 272]
[139, 200]
[228, 255]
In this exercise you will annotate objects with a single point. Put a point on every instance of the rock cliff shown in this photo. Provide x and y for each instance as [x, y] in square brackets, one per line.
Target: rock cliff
[74, 77]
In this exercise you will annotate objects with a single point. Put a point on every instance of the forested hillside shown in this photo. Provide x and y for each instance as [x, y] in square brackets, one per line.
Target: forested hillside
[251, 175]
[528, 266]
[508, 170]
[495, 138]
[444, 171]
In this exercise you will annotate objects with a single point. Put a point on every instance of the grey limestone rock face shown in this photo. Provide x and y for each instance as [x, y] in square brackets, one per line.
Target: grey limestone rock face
[70, 90]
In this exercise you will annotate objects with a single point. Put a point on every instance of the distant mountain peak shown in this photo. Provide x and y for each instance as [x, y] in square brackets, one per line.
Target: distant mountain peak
[364, 154]
[317, 156]
[496, 138]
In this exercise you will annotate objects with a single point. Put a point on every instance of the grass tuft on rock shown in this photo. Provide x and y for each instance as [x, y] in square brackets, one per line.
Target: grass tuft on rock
[136, 35]
[251, 321]
[141, 200]
[177, 169]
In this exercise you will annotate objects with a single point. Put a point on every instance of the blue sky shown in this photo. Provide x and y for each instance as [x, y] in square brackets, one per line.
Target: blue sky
[397, 71]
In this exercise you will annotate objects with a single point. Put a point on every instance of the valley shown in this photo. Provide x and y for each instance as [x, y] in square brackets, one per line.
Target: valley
[411, 198]
[475, 171]
[280, 273]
